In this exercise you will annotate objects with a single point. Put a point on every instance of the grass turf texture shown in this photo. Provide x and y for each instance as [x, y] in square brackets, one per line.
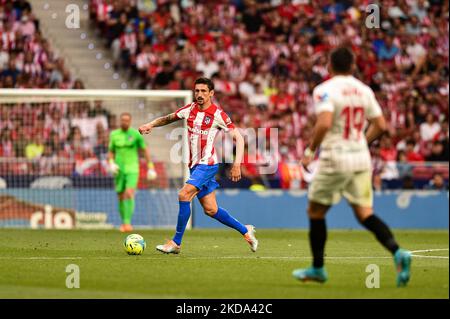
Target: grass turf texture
[212, 264]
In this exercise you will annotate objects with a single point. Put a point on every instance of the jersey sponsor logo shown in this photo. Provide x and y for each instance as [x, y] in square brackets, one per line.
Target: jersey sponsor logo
[198, 131]
[322, 98]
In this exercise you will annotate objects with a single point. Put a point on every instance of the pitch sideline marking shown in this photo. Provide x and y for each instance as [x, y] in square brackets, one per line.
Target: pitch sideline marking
[240, 257]
[429, 250]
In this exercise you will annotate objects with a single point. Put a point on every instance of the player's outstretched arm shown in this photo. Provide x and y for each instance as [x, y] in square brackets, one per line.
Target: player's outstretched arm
[376, 128]
[160, 121]
[235, 173]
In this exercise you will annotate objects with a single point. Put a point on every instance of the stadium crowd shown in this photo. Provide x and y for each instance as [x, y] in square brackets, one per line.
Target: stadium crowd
[265, 57]
[26, 58]
[47, 134]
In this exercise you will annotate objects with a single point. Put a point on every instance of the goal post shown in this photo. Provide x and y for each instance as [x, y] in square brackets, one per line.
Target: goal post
[53, 167]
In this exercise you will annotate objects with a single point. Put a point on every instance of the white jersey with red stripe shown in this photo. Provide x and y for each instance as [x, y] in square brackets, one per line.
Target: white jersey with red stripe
[344, 148]
[203, 127]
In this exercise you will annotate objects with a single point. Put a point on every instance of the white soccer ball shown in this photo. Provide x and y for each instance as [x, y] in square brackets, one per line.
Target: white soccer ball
[134, 244]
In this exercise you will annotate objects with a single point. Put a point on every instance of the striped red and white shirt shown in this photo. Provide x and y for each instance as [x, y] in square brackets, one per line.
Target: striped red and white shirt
[103, 11]
[129, 41]
[203, 127]
[9, 40]
[144, 60]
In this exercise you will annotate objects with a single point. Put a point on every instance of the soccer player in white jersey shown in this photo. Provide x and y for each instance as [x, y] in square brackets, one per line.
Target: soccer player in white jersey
[204, 120]
[342, 105]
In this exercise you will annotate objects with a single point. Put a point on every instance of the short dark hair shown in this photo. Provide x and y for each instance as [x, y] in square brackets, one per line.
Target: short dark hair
[206, 81]
[437, 174]
[125, 114]
[341, 60]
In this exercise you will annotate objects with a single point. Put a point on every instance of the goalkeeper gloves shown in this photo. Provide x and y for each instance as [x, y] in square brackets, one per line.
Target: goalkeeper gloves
[113, 167]
[151, 173]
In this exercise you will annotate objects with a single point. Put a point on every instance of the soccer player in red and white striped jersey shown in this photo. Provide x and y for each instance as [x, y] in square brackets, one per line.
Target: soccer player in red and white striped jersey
[204, 120]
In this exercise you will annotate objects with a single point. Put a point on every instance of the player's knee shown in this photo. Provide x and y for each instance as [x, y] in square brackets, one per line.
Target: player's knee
[184, 196]
[128, 194]
[313, 214]
[210, 210]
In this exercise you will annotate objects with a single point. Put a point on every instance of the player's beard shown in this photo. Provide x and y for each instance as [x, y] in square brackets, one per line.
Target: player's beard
[200, 101]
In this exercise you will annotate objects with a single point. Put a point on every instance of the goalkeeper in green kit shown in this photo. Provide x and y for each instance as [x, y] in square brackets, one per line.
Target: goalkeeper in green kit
[125, 144]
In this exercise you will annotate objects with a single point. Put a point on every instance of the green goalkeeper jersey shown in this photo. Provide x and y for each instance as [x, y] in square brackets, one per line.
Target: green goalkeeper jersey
[125, 145]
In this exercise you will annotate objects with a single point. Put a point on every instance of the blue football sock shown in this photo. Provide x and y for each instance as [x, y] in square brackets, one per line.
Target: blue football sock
[225, 218]
[183, 218]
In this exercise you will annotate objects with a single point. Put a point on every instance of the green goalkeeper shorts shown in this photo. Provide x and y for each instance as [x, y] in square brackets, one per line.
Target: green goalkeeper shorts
[125, 181]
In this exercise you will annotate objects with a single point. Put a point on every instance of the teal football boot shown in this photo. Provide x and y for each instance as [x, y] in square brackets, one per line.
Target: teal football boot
[311, 274]
[402, 259]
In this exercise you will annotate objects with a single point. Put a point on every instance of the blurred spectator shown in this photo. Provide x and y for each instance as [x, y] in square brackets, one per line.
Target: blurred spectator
[77, 141]
[437, 153]
[55, 123]
[47, 161]
[252, 19]
[113, 122]
[87, 164]
[403, 167]
[408, 182]
[208, 66]
[101, 148]
[411, 154]
[22, 5]
[388, 152]
[35, 148]
[99, 110]
[164, 77]
[258, 98]
[438, 182]
[430, 128]
[25, 26]
[9, 75]
[78, 85]
[20, 142]
[388, 50]
[4, 57]
[6, 144]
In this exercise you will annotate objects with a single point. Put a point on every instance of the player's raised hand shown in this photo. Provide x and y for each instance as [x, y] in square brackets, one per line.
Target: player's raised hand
[235, 173]
[145, 129]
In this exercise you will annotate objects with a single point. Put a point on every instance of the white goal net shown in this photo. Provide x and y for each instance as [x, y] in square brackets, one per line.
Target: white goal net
[53, 157]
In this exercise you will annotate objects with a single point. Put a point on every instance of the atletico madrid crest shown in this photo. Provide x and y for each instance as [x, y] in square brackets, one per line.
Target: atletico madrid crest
[207, 120]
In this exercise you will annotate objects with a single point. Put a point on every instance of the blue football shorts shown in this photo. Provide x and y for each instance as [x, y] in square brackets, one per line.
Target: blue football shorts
[203, 178]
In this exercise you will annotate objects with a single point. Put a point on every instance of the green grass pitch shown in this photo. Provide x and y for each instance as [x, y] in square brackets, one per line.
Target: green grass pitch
[214, 264]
